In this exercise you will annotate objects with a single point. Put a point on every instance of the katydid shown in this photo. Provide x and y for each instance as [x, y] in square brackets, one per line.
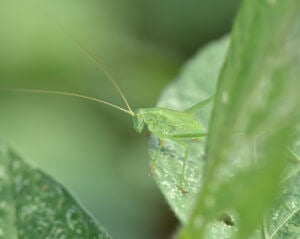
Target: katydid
[165, 123]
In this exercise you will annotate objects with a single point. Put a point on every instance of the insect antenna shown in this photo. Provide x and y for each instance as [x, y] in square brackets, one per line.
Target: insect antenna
[64, 93]
[101, 66]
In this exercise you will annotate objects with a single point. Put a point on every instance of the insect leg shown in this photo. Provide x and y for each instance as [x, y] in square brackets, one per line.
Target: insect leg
[152, 165]
[178, 138]
[199, 105]
[187, 135]
[186, 153]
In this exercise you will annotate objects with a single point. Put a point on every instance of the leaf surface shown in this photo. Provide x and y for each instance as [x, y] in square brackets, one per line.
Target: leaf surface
[33, 205]
[252, 128]
[254, 119]
[283, 220]
[196, 82]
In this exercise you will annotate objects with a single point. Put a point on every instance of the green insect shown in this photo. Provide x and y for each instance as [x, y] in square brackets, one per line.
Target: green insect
[166, 124]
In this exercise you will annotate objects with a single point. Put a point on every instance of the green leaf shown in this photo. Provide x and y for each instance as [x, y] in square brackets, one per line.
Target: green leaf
[196, 82]
[283, 221]
[32, 205]
[254, 119]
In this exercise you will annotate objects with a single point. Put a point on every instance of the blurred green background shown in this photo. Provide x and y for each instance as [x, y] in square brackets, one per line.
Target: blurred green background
[90, 148]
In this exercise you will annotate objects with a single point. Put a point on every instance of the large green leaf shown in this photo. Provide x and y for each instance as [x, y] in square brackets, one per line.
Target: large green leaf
[254, 120]
[196, 82]
[32, 205]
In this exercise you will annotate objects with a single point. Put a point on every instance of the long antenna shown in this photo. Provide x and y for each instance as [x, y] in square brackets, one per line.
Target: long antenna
[39, 91]
[98, 63]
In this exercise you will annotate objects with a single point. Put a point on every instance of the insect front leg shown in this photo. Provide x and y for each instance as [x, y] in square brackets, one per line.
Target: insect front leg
[185, 158]
[152, 165]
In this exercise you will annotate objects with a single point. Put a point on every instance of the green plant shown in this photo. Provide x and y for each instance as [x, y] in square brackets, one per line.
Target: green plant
[243, 182]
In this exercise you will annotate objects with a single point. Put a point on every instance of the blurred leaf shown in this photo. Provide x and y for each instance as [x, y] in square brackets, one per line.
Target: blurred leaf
[33, 205]
[254, 119]
[196, 82]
